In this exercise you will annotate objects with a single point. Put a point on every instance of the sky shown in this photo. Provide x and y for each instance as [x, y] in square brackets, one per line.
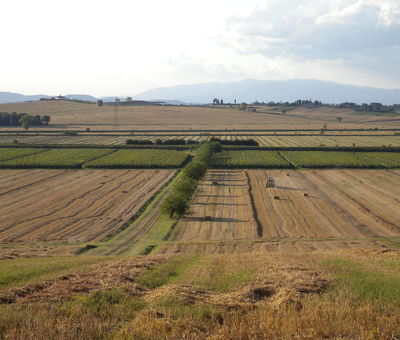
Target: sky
[124, 47]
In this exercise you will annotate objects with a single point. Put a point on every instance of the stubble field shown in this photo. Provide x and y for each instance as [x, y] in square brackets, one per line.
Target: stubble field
[344, 209]
[65, 114]
[56, 206]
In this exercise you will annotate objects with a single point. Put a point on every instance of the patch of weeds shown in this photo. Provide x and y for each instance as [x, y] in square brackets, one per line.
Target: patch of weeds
[165, 273]
[110, 303]
[230, 280]
[394, 241]
[85, 249]
[23, 271]
[148, 249]
[218, 274]
[365, 283]
[170, 231]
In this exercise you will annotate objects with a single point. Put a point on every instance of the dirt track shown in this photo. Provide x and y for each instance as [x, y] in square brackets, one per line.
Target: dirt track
[73, 206]
[344, 209]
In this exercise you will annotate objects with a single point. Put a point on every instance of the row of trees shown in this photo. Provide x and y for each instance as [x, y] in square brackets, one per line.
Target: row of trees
[22, 119]
[178, 201]
[372, 107]
[247, 142]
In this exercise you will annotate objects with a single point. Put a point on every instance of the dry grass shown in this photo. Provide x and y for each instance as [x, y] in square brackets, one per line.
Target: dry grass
[281, 297]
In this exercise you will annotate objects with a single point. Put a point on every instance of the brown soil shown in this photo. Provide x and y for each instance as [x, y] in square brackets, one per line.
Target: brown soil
[74, 206]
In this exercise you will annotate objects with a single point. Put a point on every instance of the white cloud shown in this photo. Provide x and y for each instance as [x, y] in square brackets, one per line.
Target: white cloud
[360, 35]
[108, 47]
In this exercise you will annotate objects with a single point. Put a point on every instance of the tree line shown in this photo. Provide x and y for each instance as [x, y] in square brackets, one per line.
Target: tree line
[178, 201]
[22, 119]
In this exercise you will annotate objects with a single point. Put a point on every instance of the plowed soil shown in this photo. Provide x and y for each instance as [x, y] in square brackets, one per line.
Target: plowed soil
[343, 209]
[74, 206]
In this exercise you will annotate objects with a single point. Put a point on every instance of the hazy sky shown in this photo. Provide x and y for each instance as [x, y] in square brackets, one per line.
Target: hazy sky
[123, 47]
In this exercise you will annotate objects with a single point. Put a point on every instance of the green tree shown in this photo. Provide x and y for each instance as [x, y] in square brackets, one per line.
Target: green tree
[186, 186]
[195, 169]
[175, 205]
[26, 121]
[45, 119]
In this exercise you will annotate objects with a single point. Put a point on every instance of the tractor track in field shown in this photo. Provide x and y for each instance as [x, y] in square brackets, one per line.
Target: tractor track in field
[315, 210]
[364, 208]
[77, 206]
[260, 230]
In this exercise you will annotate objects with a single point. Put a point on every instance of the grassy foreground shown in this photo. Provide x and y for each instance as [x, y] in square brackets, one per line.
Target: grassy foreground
[251, 296]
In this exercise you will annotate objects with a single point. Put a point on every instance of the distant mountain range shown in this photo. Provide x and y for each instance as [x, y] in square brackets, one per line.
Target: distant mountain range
[245, 91]
[270, 90]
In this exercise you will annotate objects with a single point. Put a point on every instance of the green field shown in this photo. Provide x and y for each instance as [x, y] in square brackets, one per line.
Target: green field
[387, 159]
[55, 158]
[6, 154]
[140, 159]
[249, 159]
[337, 159]
[305, 159]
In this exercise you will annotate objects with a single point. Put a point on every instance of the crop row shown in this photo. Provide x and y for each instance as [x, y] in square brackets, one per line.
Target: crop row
[140, 159]
[284, 141]
[305, 159]
[249, 159]
[91, 158]
[162, 158]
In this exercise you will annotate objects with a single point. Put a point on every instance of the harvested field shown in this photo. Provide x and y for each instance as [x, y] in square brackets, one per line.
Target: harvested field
[72, 205]
[346, 115]
[333, 141]
[282, 139]
[67, 114]
[343, 209]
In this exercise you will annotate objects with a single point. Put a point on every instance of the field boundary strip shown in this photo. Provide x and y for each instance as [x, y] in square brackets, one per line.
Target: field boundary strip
[260, 230]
